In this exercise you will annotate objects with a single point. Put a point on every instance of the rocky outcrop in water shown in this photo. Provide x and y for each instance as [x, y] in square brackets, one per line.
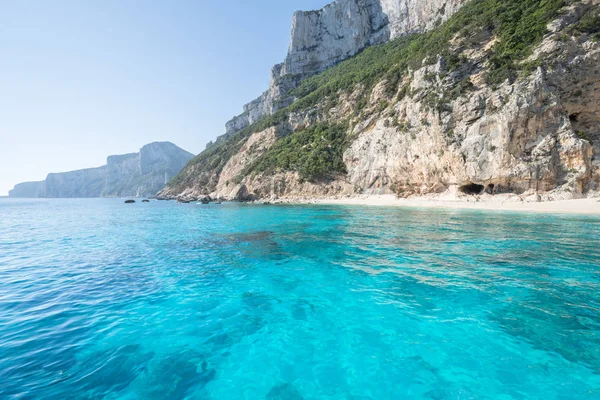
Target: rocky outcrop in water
[462, 120]
[140, 174]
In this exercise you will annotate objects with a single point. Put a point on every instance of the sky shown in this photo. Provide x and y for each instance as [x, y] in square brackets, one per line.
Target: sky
[82, 80]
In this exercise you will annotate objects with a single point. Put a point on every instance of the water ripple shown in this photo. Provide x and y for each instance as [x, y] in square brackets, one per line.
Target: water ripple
[166, 301]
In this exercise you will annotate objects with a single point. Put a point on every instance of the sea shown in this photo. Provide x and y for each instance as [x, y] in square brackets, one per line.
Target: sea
[105, 300]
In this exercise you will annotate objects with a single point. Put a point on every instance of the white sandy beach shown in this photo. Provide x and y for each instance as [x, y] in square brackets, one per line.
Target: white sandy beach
[579, 206]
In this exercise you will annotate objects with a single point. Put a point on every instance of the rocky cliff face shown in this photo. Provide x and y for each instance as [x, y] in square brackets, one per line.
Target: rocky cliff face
[140, 174]
[503, 108]
[28, 190]
[81, 183]
[323, 38]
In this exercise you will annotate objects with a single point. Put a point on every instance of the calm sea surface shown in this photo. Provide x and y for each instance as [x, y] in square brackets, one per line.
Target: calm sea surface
[99, 299]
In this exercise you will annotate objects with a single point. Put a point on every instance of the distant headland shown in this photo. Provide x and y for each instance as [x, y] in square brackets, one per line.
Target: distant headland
[140, 174]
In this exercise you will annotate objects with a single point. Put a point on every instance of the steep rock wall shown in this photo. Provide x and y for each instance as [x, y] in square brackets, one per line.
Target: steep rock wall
[340, 30]
[445, 124]
[121, 170]
[140, 174]
[83, 183]
[28, 189]
[409, 16]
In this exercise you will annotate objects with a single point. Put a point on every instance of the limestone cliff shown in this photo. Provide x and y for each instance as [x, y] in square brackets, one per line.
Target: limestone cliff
[28, 190]
[140, 174]
[340, 30]
[501, 98]
[82, 183]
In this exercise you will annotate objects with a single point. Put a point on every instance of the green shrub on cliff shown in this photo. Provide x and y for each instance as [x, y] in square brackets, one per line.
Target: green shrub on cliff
[517, 25]
[316, 153]
[589, 24]
[212, 160]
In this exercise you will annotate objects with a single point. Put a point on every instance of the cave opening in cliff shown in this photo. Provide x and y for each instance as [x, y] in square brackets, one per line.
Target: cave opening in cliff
[472, 189]
[574, 117]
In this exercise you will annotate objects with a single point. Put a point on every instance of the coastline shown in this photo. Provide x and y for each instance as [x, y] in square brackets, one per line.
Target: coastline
[586, 206]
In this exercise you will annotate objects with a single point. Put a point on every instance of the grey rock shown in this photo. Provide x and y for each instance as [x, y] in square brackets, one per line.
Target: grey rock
[27, 189]
[338, 31]
[534, 139]
[82, 183]
[140, 174]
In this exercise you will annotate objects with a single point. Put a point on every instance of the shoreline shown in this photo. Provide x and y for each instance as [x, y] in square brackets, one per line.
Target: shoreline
[586, 206]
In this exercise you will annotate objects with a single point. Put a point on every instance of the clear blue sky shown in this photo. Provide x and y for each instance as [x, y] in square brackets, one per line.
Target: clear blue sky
[81, 80]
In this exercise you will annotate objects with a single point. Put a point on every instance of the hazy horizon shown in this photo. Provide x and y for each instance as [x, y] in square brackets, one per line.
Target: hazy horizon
[82, 81]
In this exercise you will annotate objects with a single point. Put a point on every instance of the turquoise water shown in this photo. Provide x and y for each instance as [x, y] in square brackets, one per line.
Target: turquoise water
[99, 299]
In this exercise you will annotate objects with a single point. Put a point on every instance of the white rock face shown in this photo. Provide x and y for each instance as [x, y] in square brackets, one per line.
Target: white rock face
[254, 147]
[83, 183]
[140, 174]
[409, 16]
[323, 38]
[536, 138]
[526, 145]
[336, 32]
[28, 189]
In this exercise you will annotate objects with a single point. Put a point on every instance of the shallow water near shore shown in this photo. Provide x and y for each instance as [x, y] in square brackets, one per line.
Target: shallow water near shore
[99, 299]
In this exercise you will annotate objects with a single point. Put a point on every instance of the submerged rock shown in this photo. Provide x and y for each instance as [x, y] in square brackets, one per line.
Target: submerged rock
[286, 391]
[129, 201]
[175, 376]
[115, 369]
